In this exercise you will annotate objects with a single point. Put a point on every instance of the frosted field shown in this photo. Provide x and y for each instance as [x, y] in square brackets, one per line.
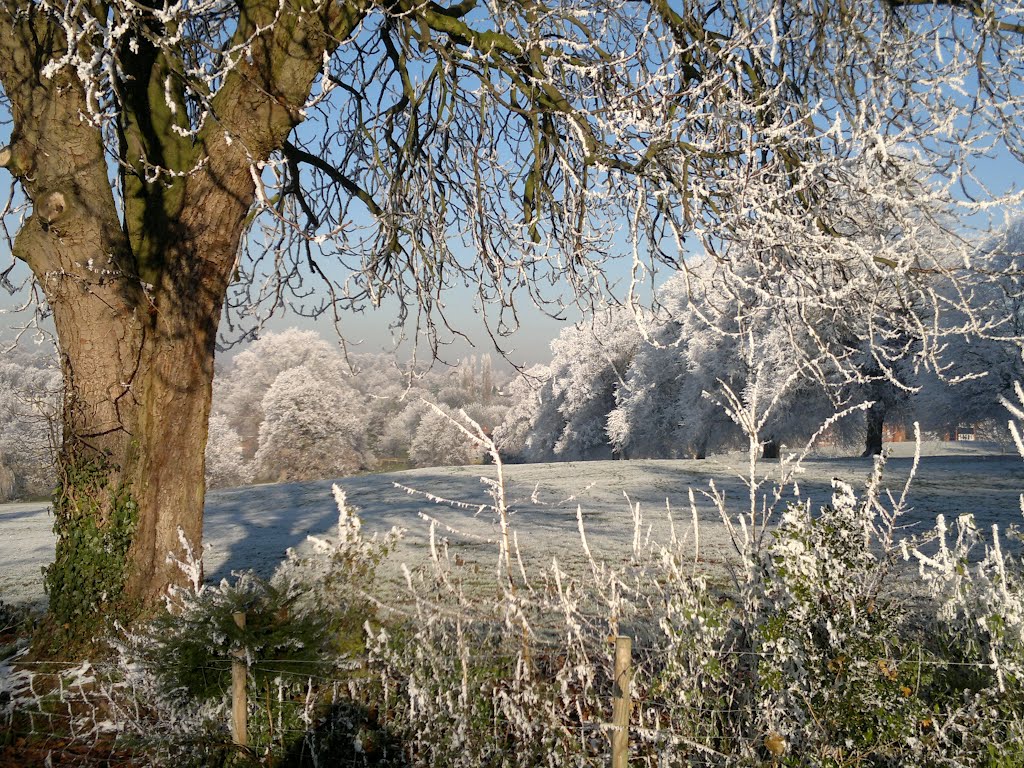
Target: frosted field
[252, 527]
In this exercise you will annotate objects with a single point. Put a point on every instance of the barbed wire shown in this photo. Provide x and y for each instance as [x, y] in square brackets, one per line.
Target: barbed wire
[545, 651]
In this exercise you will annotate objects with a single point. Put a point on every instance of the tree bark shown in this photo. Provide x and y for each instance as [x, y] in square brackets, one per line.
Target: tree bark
[138, 389]
[137, 360]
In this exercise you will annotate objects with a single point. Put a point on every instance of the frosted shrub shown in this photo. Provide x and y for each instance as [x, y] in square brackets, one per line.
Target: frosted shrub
[819, 653]
[466, 681]
[462, 693]
[980, 610]
[978, 588]
[302, 626]
[686, 679]
[192, 647]
[823, 640]
[802, 659]
[181, 664]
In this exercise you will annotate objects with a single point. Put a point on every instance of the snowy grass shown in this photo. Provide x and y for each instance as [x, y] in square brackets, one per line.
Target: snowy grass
[252, 527]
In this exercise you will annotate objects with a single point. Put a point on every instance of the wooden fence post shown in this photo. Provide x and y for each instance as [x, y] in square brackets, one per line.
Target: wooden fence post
[621, 702]
[239, 706]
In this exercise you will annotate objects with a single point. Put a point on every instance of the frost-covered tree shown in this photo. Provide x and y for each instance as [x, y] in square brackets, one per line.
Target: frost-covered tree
[866, 317]
[30, 397]
[226, 464]
[391, 397]
[722, 357]
[984, 366]
[240, 391]
[159, 161]
[471, 386]
[400, 429]
[730, 353]
[312, 428]
[589, 365]
[648, 409]
[532, 424]
[716, 339]
[471, 381]
[709, 324]
[440, 443]
[560, 411]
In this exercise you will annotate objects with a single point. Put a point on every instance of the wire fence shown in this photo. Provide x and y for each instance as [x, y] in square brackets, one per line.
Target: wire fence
[71, 708]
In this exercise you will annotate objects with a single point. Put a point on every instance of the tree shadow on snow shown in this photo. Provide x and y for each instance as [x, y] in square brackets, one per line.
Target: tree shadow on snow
[252, 527]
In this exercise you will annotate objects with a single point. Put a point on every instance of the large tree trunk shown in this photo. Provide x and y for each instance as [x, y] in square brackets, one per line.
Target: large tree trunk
[138, 386]
[138, 369]
[137, 358]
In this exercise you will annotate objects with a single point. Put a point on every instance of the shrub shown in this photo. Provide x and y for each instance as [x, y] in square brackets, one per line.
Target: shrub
[815, 655]
[302, 626]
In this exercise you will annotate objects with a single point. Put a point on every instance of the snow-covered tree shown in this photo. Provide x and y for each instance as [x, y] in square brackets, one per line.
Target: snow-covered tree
[389, 397]
[560, 411]
[589, 365]
[471, 385]
[440, 443]
[400, 429]
[735, 348]
[312, 428]
[984, 366]
[707, 320]
[648, 409]
[30, 403]
[532, 424]
[226, 464]
[608, 391]
[716, 338]
[240, 391]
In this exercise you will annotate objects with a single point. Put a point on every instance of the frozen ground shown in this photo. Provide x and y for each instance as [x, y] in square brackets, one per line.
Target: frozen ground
[252, 527]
